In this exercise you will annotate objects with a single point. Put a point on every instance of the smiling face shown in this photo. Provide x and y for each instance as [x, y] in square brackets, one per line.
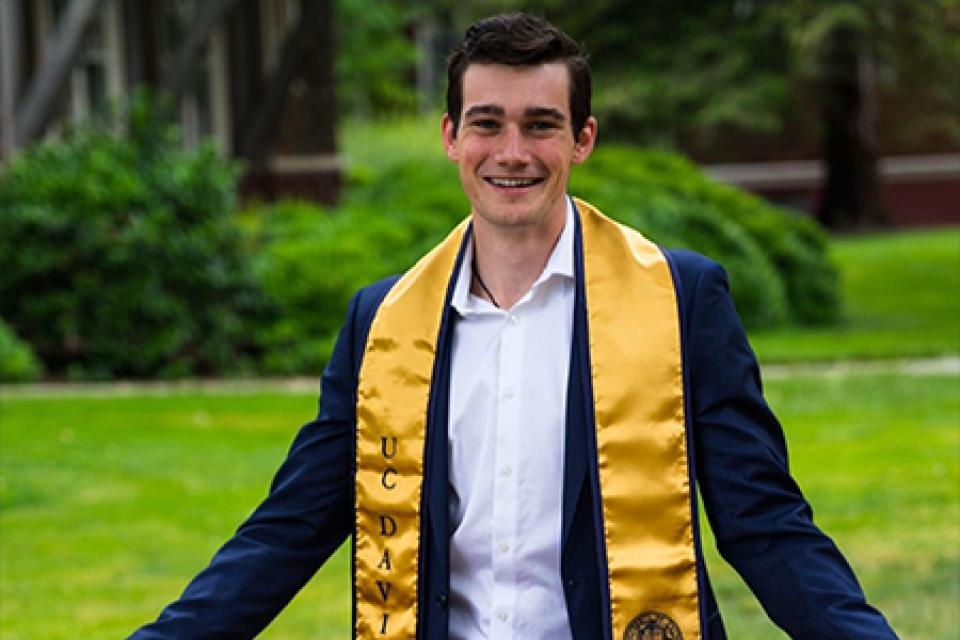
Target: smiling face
[515, 144]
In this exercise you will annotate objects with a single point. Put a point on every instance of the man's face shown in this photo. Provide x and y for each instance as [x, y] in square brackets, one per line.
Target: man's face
[515, 144]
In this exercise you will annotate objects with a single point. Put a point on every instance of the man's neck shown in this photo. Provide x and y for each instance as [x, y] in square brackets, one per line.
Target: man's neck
[508, 260]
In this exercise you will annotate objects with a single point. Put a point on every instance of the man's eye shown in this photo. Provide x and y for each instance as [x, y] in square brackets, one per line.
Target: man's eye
[542, 125]
[485, 124]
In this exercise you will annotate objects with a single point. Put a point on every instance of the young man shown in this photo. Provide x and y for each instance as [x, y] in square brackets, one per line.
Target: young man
[515, 429]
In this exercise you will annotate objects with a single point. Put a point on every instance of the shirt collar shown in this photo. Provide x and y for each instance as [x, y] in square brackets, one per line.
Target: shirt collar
[559, 263]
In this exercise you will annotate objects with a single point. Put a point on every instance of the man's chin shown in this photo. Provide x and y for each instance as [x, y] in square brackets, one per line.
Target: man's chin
[510, 217]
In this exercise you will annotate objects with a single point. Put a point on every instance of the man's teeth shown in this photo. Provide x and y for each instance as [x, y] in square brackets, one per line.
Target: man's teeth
[513, 182]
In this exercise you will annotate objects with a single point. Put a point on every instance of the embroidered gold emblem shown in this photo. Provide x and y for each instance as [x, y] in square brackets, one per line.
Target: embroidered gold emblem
[652, 625]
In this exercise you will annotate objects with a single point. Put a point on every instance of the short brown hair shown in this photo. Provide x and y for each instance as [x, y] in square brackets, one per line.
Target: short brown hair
[519, 40]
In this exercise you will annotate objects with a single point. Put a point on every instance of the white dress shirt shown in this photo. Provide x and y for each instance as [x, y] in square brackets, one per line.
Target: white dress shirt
[508, 398]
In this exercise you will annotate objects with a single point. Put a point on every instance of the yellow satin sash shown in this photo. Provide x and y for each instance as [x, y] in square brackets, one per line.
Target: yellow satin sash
[392, 396]
[636, 374]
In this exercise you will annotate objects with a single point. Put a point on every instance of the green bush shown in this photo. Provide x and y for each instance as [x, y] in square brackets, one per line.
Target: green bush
[792, 278]
[17, 362]
[119, 255]
[308, 263]
[620, 185]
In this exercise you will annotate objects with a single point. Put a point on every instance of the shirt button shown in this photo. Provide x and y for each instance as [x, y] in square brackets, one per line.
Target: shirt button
[514, 320]
[506, 472]
[502, 615]
[508, 393]
[504, 547]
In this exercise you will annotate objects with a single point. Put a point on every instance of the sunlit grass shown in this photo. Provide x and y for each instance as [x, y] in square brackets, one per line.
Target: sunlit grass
[901, 294]
[878, 456]
[110, 505]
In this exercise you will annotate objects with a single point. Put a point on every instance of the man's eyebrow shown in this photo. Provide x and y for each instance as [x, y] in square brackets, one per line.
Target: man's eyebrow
[544, 112]
[484, 109]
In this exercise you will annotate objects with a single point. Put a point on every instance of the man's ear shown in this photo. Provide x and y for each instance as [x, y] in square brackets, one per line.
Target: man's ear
[587, 137]
[449, 135]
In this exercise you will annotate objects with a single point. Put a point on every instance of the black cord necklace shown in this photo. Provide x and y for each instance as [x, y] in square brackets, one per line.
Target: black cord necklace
[476, 274]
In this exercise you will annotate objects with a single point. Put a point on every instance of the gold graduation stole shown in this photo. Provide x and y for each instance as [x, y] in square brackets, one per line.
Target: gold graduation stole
[637, 380]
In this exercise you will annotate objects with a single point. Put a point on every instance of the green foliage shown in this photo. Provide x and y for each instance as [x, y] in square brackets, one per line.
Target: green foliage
[700, 75]
[17, 362]
[671, 203]
[310, 263]
[914, 45]
[401, 198]
[376, 58]
[686, 74]
[119, 256]
[763, 244]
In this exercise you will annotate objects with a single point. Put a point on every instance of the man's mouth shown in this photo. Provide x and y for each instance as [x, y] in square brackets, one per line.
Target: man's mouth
[513, 183]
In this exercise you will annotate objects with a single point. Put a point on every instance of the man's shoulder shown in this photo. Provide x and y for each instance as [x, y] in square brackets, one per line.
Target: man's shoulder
[360, 313]
[367, 300]
[688, 259]
[689, 267]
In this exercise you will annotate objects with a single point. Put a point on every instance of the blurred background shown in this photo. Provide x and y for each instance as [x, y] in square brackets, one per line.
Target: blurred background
[209, 117]
[191, 190]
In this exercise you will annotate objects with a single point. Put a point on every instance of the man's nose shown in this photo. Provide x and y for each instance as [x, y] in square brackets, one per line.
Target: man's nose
[512, 149]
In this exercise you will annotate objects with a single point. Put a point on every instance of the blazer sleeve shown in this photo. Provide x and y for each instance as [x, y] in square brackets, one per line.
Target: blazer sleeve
[305, 517]
[762, 523]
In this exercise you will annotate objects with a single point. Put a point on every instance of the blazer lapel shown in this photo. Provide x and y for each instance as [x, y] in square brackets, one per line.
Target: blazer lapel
[576, 442]
[575, 446]
[434, 569]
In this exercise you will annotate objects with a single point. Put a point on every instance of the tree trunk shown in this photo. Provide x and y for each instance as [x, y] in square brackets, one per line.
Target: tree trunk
[851, 195]
[305, 66]
[9, 74]
[37, 107]
[183, 73]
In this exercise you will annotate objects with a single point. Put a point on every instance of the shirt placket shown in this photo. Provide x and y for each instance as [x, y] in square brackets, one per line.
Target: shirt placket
[507, 496]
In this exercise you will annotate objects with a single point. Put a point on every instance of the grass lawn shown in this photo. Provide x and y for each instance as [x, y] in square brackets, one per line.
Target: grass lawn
[901, 293]
[110, 505]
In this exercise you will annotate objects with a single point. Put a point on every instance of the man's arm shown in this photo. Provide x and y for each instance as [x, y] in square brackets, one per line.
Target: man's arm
[763, 524]
[304, 519]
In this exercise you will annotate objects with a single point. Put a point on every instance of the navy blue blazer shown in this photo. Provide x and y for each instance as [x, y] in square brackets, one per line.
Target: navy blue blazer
[761, 521]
